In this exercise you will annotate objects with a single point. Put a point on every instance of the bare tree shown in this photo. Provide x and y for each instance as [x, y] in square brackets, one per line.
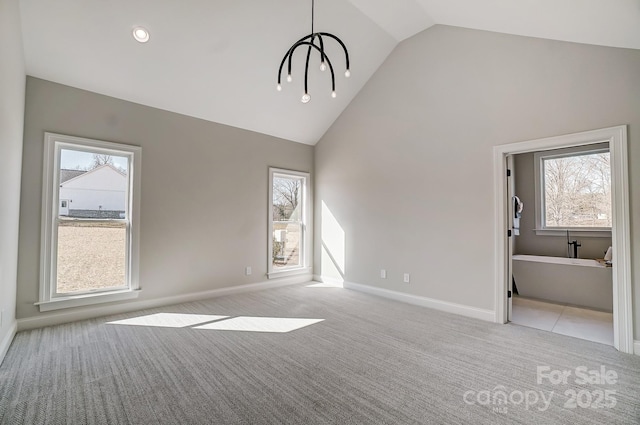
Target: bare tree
[601, 190]
[101, 159]
[286, 197]
[578, 190]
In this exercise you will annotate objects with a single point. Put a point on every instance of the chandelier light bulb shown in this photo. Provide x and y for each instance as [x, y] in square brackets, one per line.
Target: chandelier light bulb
[333, 94]
[305, 98]
[323, 67]
[347, 73]
[279, 87]
[141, 34]
[289, 79]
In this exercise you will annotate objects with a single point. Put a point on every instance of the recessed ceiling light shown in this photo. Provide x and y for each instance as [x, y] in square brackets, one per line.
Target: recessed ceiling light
[141, 34]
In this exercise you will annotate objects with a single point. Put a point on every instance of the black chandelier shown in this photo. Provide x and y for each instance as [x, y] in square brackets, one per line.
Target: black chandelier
[310, 42]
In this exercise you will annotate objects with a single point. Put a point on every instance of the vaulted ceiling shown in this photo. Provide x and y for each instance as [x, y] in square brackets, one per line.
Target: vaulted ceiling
[218, 59]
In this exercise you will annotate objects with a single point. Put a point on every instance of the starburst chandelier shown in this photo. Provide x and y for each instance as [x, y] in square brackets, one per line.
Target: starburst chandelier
[313, 41]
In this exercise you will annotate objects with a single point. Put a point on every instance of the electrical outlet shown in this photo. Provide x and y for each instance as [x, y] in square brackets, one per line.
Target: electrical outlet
[406, 278]
[247, 270]
[383, 274]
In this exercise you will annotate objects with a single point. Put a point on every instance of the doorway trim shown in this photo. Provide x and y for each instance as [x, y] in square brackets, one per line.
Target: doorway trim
[620, 231]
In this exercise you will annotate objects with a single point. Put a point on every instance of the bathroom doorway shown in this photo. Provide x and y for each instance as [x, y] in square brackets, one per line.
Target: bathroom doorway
[564, 309]
[561, 232]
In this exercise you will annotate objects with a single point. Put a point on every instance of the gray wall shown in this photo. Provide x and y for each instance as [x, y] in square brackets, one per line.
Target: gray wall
[12, 86]
[530, 243]
[406, 170]
[204, 189]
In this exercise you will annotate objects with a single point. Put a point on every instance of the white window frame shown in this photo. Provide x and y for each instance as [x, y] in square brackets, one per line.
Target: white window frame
[539, 183]
[48, 298]
[307, 241]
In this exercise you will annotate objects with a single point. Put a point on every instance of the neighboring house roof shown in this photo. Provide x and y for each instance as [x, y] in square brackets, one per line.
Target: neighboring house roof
[79, 173]
[123, 172]
[69, 174]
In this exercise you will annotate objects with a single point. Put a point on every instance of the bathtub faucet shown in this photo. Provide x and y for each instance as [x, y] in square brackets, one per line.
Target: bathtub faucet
[576, 245]
[572, 244]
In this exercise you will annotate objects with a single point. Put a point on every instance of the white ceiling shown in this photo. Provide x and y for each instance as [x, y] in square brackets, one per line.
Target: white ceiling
[218, 59]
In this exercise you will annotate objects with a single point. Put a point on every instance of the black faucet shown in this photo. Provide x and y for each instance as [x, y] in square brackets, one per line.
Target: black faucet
[575, 245]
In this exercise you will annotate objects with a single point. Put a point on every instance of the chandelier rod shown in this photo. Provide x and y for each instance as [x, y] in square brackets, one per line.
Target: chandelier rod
[312, 13]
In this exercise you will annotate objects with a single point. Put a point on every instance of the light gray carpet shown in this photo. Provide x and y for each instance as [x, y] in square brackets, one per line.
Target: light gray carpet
[371, 361]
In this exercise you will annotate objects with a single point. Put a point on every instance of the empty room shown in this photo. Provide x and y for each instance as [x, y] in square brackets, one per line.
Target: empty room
[319, 212]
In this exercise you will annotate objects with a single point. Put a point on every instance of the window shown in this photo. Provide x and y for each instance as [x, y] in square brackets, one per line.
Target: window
[289, 209]
[90, 213]
[573, 190]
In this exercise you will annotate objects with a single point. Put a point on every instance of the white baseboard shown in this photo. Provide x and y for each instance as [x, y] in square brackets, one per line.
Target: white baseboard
[6, 341]
[463, 310]
[91, 312]
[636, 348]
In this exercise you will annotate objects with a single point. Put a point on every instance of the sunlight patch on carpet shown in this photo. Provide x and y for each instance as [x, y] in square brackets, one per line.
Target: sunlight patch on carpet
[326, 285]
[168, 320]
[260, 324]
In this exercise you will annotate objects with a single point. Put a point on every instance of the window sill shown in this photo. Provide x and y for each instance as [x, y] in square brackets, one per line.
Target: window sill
[289, 272]
[86, 299]
[599, 233]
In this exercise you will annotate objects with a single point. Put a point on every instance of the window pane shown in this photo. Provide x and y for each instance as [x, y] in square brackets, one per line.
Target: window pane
[287, 221]
[90, 255]
[286, 244]
[578, 191]
[287, 192]
[92, 185]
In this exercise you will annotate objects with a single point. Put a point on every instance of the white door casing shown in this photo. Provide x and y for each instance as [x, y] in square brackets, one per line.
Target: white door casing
[620, 232]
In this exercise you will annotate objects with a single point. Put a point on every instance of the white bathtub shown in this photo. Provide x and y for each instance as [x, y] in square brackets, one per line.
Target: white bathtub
[573, 281]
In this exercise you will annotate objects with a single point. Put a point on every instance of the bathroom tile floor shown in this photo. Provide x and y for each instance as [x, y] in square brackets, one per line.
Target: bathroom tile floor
[567, 320]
